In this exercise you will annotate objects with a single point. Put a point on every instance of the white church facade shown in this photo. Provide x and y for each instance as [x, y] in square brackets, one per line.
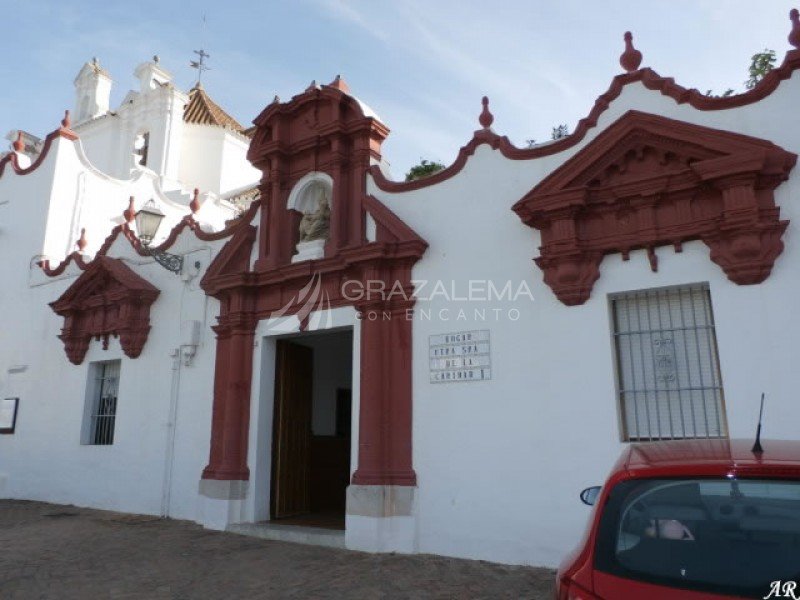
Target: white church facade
[434, 366]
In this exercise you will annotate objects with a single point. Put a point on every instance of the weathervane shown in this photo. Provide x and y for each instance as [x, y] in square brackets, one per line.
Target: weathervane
[200, 64]
[202, 55]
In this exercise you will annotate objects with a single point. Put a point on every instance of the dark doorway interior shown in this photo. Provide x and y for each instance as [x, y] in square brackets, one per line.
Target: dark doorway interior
[311, 429]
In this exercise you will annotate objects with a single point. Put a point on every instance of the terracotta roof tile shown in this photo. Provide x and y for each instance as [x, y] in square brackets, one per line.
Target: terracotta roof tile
[243, 198]
[202, 110]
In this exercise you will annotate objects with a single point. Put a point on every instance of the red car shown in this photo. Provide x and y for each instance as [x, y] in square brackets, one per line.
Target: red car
[691, 519]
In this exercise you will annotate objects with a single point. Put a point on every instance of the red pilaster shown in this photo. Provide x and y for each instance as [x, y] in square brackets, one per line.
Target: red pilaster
[384, 439]
[230, 421]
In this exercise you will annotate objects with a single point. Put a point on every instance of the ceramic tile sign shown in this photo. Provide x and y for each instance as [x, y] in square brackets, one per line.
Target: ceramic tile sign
[461, 356]
[8, 414]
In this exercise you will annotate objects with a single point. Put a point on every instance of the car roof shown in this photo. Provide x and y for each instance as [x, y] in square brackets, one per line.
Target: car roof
[722, 454]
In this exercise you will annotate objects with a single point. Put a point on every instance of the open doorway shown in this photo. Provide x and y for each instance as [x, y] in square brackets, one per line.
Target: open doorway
[311, 429]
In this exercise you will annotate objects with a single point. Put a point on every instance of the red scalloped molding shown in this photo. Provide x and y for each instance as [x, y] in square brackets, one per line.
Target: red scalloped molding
[108, 299]
[649, 181]
[11, 157]
[75, 257]
[648, 77]
[187, 222]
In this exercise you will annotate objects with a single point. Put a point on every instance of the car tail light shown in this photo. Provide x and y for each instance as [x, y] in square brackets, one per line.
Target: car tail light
[575, 592]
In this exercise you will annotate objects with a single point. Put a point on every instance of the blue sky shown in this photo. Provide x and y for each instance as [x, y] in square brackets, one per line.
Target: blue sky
[422, 65]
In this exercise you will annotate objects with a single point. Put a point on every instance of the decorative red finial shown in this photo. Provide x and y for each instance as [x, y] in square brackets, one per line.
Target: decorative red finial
[794, 35]
[81, 243]
[194, 205]
[65, 122]
[631, 58]
[340, 84]
[19, 145]
[486, 119]
[129, 214]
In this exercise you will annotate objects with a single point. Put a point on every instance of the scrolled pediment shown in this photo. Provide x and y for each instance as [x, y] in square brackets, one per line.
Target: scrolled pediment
[638, 157]
[649, 181]
[108, 299]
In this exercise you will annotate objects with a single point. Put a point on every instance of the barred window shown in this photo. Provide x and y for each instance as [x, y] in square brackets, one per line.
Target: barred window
[667, 366]
[103, 398]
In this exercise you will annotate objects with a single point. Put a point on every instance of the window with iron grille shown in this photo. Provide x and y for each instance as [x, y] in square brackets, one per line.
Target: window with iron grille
[103, 398]
[667, 366]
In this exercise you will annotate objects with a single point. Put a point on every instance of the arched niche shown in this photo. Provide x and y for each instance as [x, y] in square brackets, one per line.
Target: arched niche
[141, 148]
[311, 196]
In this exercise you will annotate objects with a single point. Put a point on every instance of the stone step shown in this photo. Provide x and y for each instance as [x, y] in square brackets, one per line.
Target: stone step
[298, 534]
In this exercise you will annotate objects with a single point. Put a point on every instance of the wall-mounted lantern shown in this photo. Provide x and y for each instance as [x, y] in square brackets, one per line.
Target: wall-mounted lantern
[148, 220]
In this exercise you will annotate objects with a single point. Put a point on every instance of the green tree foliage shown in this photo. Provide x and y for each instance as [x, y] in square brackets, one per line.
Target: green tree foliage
[762, 63]
[560, 131]
[724, 94]
[424, 169]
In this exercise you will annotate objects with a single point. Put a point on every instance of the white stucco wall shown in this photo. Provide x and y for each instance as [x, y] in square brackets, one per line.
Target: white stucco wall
[500, 462]
[44, 459]
[41, 214]
[215, 159]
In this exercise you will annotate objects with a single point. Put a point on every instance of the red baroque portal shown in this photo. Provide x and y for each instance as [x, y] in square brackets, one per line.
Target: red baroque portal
[649, 181]
[327, 131]
[107, 299]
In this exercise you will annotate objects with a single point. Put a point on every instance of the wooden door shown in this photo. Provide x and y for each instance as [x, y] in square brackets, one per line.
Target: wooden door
[291, 437]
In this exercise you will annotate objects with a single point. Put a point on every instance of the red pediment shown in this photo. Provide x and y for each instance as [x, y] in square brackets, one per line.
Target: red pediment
[107, 299]
[649, 181]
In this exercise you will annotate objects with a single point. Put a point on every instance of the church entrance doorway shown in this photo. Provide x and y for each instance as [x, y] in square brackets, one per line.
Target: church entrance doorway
[312, 419]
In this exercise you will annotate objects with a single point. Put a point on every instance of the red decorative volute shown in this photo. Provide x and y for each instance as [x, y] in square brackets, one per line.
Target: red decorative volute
[129, 214]
[81, 243]
[649, 181]
[486, 118]
[340, 84]
[108, 299]
[194, 205]
[631, 58]
[19, 144]
[794, 34]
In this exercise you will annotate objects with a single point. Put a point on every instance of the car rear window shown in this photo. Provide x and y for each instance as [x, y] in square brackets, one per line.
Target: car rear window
[730, 536]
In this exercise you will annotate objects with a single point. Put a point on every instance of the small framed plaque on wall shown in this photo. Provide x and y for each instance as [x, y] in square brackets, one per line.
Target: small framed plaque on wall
[8, 414]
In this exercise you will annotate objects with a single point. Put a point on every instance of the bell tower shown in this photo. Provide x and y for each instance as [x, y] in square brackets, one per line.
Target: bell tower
[92, 91]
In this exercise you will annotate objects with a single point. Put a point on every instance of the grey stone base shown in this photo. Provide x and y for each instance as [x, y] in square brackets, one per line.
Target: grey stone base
[380, 500]
[223, 490]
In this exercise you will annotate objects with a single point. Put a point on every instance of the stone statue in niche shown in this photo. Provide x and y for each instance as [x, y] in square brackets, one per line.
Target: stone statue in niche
[314, 203]
[315, 225]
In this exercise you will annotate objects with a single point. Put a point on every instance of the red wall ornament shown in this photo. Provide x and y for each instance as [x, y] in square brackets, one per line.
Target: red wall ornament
[631, 58]
[323, 130]
[649, 181]
[651, 80]
[107, 299]
[11, 157]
